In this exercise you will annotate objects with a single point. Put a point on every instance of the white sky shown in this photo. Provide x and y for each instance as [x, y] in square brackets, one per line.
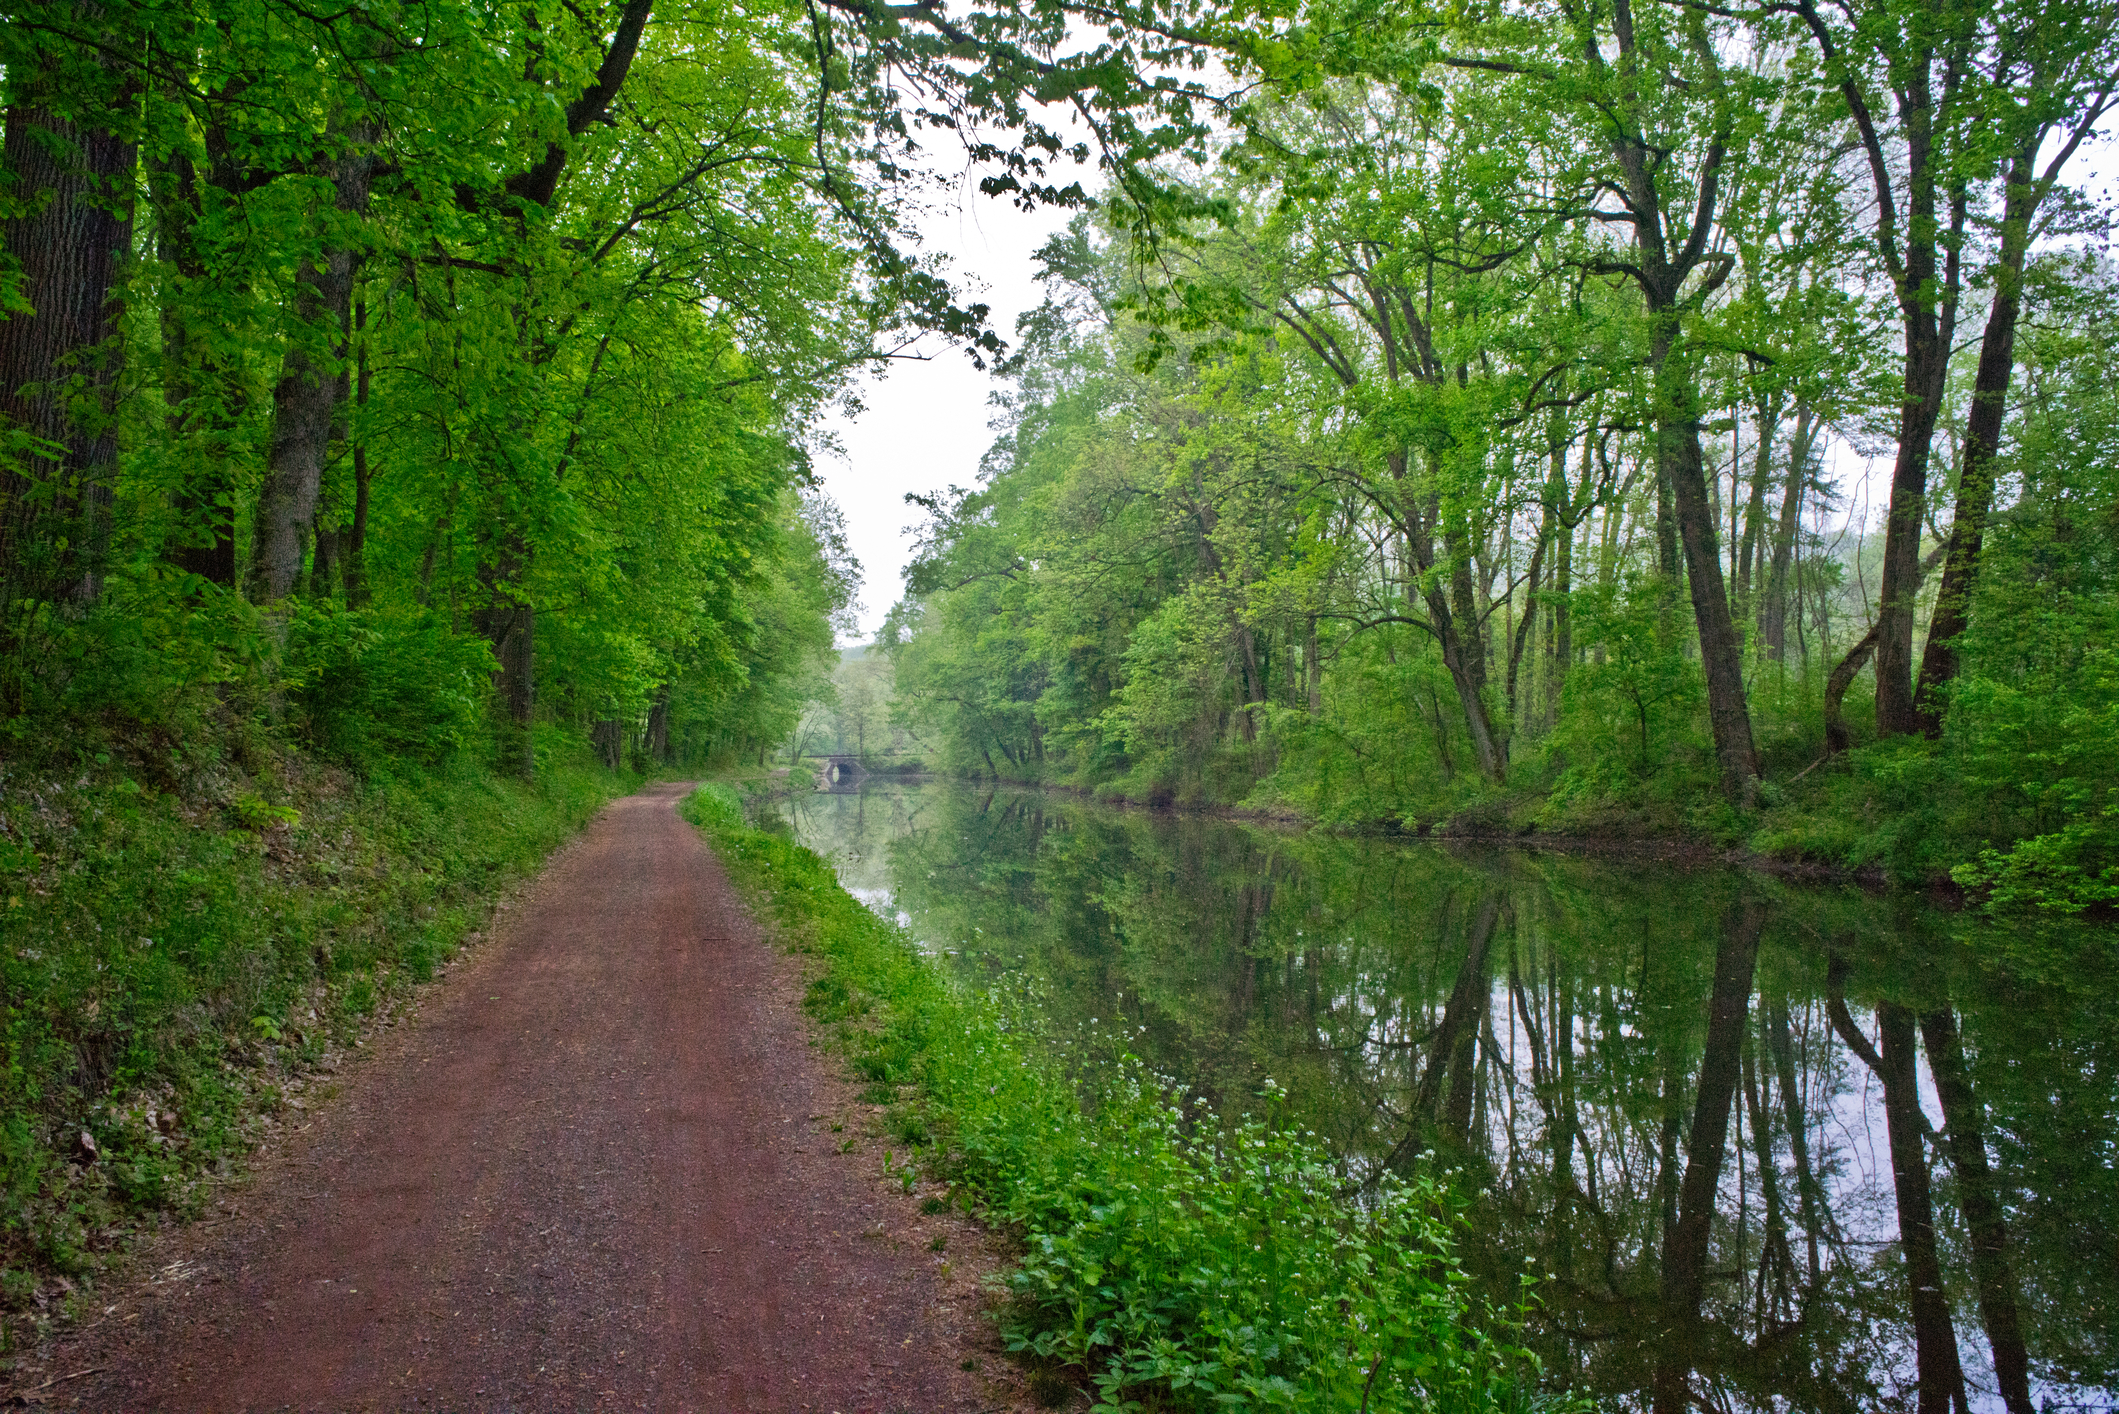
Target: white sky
[925, 426]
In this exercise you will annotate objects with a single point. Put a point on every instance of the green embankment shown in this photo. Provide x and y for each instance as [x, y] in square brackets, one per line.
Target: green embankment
[1166, 1258]
[172, 957]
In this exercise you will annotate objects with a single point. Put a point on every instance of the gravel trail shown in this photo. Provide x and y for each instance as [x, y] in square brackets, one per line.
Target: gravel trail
[597, 1171]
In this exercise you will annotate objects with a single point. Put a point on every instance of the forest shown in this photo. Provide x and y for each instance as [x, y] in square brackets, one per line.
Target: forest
[1475, 438]
[417, 380]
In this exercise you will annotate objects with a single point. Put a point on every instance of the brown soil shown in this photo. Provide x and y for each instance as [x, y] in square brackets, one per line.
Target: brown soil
[603, 1169]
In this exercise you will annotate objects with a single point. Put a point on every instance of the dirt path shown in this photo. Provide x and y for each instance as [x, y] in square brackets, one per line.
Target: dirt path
[597, 1172]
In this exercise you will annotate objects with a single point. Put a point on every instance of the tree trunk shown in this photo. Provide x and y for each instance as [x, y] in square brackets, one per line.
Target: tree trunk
[658, 726]
[1463, 653]
[1927, 297]
[1999, 1304]
[509, 624]
[1975, 485]
[1522, 633]
[608, 738]
[59, 361]
[1312, 670]
[1678, 460]
[1752, 558]
[204, 397]
[310, 386]
[1668, 567]
[1773, 602]
[1843, 674]
[1845, 671]
[1563, 641]
[324, 575]
[1900, 587]
[357, 529]
[1685, 1246]
[1253, 684]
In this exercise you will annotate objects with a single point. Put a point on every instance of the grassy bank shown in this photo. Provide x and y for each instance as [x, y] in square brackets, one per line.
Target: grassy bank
[1169, 1262]
[178, 953]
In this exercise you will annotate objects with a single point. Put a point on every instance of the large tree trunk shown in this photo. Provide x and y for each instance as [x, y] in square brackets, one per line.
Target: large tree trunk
[58, 362]
[1686, 1243]
[1975, 486]
[1977, 1198]
[1927, 289]
[312, 381]
[1679, 461]
[1900, 587]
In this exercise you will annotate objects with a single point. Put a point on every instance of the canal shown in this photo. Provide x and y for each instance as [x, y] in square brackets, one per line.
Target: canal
[1879, 1137]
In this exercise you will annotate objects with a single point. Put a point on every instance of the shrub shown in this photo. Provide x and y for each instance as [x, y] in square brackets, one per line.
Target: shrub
[369, 683]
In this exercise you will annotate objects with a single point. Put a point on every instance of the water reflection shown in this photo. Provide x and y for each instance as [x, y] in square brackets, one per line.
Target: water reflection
[1772, 1147]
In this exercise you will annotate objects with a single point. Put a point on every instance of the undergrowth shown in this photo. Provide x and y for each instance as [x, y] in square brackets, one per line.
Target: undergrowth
[1169, 1261]
[175, 950]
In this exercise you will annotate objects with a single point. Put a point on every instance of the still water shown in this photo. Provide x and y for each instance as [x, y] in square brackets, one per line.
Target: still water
[1873, 1142]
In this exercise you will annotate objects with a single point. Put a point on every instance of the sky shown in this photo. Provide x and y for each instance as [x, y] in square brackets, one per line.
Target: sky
[926, 423]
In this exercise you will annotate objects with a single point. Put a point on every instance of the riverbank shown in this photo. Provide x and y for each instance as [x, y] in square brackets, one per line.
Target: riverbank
[1881, 817]
[185, 954]
[1165, 1255]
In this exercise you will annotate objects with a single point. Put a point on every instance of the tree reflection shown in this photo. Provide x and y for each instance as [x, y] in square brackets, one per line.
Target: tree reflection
[1697, 1102]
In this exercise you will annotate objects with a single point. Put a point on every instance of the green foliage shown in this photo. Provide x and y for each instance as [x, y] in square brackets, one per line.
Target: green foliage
[1634, 707]
[370, 684]
[1168, 1261]
[715, 806]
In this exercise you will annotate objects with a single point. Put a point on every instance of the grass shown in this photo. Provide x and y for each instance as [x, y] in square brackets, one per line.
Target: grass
[1168, 1261]
[173, 956]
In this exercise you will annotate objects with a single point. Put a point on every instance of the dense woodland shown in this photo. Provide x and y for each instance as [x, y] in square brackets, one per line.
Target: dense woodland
[418, 376]
[1477, 443]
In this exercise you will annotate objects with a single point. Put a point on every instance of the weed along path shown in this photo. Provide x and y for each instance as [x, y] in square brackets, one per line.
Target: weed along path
[598, 1171]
